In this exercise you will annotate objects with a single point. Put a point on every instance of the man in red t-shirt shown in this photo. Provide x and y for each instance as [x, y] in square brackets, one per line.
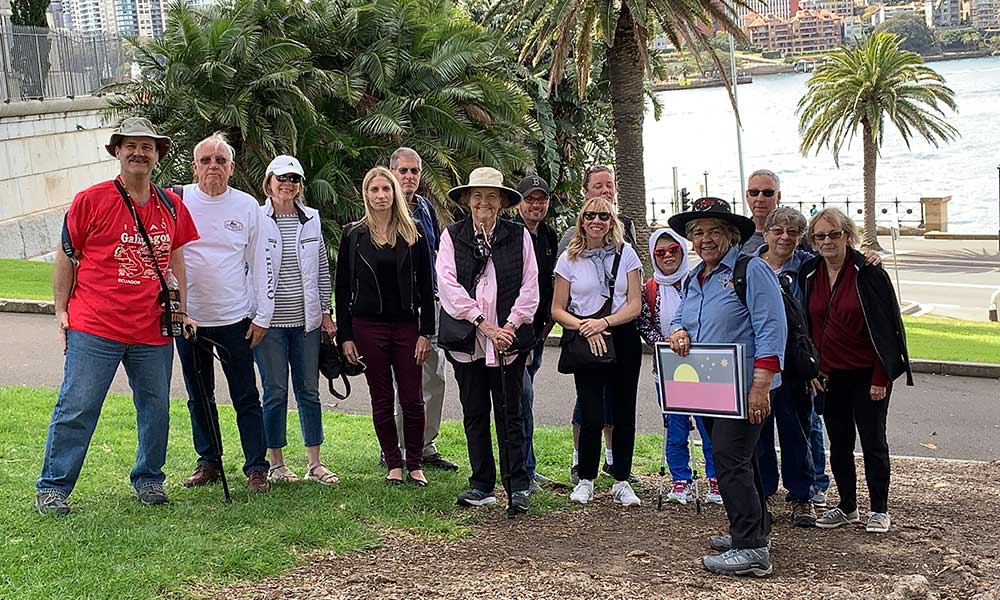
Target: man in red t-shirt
[107, 291]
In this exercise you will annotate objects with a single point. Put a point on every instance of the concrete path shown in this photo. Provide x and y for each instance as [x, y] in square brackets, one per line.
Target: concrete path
[958, 415]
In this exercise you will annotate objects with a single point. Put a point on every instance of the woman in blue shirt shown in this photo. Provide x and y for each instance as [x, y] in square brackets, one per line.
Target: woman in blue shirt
[712, 312]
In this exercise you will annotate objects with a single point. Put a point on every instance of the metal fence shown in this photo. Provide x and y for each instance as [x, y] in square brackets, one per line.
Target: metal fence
[909, 213]
[36, 62]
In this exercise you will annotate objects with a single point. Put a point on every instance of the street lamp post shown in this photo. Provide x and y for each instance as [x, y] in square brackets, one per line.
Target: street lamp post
[998, 209]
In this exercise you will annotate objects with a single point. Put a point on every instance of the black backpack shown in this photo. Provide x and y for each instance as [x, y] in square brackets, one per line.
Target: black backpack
[801, 357]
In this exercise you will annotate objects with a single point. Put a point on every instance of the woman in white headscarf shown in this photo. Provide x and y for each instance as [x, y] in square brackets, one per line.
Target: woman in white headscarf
[662, 295]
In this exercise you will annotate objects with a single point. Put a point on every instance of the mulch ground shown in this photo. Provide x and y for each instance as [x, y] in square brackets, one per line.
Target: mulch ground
[944, 544]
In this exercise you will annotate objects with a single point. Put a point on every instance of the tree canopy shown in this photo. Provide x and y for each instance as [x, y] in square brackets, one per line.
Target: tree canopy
[913, 32]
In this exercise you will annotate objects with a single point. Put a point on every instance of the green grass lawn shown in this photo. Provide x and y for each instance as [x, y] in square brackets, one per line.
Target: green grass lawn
[111, 547]
[25, 279]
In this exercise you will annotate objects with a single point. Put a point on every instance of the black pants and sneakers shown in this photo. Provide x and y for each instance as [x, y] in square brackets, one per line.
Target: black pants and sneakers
[480, 391]
[238, 366]
[734, 448]
[850, 413]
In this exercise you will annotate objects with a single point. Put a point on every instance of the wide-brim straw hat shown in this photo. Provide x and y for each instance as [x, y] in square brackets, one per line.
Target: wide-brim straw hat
[138, 127]
[712, 208]
[486, 177]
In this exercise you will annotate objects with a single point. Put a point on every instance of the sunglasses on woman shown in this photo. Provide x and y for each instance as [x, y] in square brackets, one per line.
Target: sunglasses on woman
[292, 177]
[665, 252]
[833, 235]
[591, 215]
[755, 192]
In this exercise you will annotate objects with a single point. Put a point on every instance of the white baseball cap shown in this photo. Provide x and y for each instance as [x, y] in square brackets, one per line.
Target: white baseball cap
[284, 164]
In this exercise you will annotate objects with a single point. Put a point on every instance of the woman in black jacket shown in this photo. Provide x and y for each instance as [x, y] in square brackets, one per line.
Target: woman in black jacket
[856, 326]
[385, 312]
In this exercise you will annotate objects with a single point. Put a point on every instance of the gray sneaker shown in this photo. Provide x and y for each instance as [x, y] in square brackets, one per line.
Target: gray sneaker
[533, 487]
[835, 518]
[51, 503]
[474, 497]
[878, 523]
[152, 495]
[743, 561]
[519, 501]
[723, 542]
[819, 499]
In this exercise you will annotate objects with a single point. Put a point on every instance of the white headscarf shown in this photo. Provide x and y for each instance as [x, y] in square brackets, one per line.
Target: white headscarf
[670, 298]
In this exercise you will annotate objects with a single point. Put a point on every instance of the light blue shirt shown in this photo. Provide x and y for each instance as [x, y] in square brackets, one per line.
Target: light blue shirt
[713, 314]
[791, 266]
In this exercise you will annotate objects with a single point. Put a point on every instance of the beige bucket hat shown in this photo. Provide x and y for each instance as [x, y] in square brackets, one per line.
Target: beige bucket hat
[487, 177]
[138, 127]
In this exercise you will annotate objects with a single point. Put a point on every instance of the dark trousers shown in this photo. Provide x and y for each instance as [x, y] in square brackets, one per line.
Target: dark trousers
[477, 384]
[791, 410]
[619, 382]
[734, 448]
[237, 365]
[388, 348]
[849, 406]
[527, 406]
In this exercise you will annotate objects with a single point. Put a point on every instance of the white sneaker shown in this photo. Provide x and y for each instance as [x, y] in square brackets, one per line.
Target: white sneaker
[622, 493]
[878, 523]
[583, 492]
[679, 494]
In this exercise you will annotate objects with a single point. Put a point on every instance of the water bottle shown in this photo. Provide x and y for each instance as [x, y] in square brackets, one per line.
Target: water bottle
[171, 323]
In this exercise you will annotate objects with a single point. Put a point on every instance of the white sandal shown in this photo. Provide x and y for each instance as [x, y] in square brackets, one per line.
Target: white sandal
[328, 477]
[281, 473]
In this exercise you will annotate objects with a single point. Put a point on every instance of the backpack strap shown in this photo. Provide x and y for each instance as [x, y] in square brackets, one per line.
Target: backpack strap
[740, 277]
[650, 290]
[166, 201]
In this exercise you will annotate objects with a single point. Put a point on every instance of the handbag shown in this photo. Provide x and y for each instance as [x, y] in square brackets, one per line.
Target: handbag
[453, 334]
[333, 366]
[575, 355]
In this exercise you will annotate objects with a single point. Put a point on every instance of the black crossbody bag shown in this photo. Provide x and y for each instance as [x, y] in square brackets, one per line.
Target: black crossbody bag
[576, 356]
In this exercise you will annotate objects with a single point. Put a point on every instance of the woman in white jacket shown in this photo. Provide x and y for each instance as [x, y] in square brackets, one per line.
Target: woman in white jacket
[300, 280]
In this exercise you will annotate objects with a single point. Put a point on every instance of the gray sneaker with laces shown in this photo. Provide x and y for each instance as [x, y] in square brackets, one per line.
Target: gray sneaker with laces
[474, 497]
[152, 494]
[835, 518]
[51, 503]
[741, 561]
[878, 523]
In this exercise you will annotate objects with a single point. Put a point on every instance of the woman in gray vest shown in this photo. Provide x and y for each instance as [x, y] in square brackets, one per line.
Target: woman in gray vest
[488, 287]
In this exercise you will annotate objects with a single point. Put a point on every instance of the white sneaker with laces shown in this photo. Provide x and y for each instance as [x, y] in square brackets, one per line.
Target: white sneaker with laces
[583, 492]
[679, 494]
[622, 493]
[878, 523]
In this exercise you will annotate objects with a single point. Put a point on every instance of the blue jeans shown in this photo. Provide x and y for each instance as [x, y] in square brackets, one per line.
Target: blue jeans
[676, 447]
[237, 365]
[527, 406]
[821, 483]
[281, 347]
[91, 364]
[790, 410]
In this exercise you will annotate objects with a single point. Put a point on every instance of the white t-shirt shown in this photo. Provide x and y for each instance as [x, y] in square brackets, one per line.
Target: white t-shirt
[227, 267]
[587, 292]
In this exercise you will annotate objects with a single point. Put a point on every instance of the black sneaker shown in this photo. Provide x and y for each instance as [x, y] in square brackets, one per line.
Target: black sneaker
[152, 494]
[519, 501]
[474, 497]
[439, 462]
[51, 503]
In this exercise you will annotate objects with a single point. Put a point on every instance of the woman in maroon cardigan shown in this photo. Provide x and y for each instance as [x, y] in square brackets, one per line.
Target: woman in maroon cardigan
[855, 323]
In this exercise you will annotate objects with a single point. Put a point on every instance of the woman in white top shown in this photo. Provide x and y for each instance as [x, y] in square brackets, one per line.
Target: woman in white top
[583, 276]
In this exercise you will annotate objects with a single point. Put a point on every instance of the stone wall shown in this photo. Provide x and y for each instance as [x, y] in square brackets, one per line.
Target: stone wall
[49, 150]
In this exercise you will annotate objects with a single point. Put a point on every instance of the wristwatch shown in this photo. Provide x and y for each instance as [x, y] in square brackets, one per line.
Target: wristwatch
[479, 320]
[511, 325]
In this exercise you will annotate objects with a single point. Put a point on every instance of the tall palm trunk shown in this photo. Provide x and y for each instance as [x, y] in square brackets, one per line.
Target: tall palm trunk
[627, 108]
[870, 158]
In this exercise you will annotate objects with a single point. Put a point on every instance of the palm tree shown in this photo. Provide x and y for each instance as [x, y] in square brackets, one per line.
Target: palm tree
[563, 32]
[869, 86]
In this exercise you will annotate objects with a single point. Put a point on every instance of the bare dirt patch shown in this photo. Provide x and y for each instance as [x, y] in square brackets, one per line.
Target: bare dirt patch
[944, 530]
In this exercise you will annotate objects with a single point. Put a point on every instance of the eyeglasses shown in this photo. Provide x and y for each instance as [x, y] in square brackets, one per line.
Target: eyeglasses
[755, 192]
[591, 215]
[538, 200]
[664, 252]
[219, 160]
[292, 177]
[833, 235]
[779, 231]
[405, 170]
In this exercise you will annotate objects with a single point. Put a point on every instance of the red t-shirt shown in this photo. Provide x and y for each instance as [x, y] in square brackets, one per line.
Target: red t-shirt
[116, 291]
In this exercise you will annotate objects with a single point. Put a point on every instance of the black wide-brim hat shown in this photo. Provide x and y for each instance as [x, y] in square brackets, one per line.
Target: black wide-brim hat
[712, 208]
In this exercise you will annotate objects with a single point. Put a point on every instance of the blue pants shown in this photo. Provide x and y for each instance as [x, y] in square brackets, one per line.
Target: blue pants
[238, 367]
[281, 347]
[527, 406]
[91, 364]
[678, 458]
[791, 410]
[821, 483]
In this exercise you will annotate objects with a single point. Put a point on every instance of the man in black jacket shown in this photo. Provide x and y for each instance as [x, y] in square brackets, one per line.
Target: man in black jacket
[532, 212]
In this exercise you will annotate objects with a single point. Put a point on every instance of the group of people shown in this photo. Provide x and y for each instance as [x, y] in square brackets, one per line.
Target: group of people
[208, 266]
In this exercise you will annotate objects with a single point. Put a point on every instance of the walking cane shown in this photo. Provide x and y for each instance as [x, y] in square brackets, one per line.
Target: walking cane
[211, 416]
[502, 442]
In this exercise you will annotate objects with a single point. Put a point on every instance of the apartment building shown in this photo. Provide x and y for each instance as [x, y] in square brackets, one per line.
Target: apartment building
[807, 31]
[985, 14]
[841, 8]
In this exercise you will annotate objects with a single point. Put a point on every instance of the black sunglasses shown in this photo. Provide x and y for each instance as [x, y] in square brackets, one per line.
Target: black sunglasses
[405, 170]
[591, 215]
[819, 236]
[755, 192]
[293, 177]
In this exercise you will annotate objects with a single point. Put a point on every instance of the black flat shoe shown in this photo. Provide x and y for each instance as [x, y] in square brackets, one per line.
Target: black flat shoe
[412, 479]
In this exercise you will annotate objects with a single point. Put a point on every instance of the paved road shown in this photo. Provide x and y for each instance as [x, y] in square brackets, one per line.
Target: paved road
[959, 415]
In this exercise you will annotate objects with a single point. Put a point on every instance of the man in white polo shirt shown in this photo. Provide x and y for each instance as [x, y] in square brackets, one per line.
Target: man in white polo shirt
[228, 295]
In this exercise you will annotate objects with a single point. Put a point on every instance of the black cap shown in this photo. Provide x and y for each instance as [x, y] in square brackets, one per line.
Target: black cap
[712, 208]
[531, 183]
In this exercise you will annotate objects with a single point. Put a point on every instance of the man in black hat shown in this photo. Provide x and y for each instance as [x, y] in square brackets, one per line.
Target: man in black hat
[532, 212]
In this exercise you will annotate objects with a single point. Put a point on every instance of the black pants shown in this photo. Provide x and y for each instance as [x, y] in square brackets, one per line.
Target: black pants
[242, 380]
[734, 448]
[848, 406]
[620, 383]
[477, 383]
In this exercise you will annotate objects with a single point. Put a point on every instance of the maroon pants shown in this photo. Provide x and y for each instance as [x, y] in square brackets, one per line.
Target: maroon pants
[388, 348]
